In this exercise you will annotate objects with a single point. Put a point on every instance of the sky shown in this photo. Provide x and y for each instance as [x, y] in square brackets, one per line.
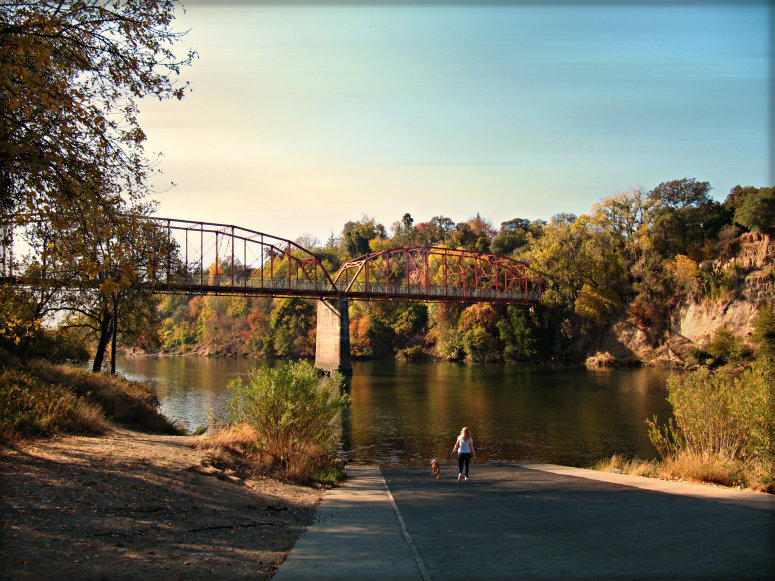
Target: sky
[305, 115]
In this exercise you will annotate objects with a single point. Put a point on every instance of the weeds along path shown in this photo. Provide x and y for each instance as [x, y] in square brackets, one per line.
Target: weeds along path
[130, 505]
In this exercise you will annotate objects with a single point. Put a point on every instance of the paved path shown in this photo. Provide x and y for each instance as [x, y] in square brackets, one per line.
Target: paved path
[532, 521]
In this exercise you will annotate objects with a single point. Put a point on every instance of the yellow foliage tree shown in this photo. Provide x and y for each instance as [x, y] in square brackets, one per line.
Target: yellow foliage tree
[686, 273]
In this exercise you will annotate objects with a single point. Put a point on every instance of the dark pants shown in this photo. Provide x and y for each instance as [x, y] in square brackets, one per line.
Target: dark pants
[463, 459]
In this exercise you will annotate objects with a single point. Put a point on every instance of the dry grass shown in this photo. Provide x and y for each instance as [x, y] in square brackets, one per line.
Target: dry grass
[43, 399]
[635, 467]
[690, 466]
[31, 407]
[754, 474]
[126, 402]
[239, 438]
[701, 468]
[234, 451]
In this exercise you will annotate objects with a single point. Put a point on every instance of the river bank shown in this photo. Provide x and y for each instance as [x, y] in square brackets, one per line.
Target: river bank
[131, 505]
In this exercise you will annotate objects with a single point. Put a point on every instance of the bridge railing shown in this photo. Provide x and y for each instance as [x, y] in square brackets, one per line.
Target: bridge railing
[398, 291]
[192, 282]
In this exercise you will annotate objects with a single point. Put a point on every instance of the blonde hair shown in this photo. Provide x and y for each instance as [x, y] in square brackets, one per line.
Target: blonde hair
[463, 433]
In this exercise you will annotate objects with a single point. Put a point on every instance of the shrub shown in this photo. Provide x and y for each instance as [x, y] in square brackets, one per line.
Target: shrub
[479, 345]
[296, 414]
[764, 332]
[449, 344]
[725, 423]
[717, 282]
[413, 353]
[727, 348]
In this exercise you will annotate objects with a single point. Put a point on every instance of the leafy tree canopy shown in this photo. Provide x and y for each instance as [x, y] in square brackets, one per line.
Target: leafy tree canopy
[71, 73]
[754, 208]
[681, 193]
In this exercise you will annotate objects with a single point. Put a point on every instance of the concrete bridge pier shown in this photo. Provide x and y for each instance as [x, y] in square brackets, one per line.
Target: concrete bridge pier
[332, 342]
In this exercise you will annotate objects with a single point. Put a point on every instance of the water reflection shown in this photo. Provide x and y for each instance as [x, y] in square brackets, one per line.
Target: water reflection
[409, 413]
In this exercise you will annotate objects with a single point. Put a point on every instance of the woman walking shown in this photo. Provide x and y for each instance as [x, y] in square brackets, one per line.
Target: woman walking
[464, 446]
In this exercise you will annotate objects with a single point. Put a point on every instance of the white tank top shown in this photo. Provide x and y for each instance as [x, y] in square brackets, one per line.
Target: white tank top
[465, 445]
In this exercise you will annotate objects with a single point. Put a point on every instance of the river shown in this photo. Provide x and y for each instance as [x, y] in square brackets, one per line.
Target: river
[408, 413]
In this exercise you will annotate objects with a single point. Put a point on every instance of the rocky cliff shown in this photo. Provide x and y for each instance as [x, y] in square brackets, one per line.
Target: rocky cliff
[751, 284]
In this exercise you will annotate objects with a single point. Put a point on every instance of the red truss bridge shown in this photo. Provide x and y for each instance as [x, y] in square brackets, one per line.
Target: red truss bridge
[206, 258]
[224, 259]
[203, 257]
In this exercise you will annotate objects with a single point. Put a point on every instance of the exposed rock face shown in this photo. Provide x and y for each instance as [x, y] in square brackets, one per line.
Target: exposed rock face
[753, 265]
[693, 322]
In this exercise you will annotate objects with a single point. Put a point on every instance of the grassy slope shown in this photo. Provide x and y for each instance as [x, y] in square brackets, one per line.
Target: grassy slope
[42, 399]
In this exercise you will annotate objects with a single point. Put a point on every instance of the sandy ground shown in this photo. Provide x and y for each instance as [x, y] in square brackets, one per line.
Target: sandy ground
[136, 506]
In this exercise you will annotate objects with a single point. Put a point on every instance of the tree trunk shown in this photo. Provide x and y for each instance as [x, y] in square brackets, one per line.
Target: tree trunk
[106, 330]
[114, 334]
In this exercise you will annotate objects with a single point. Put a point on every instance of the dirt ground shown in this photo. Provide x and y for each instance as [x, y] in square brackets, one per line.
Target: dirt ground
[136, 506]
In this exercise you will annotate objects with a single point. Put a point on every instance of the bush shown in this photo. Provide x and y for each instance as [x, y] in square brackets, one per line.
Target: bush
[479, 345]
[727, 348]
[296, 414]
[722, 420]
[724, 348]
[413, 353]
[764, 332]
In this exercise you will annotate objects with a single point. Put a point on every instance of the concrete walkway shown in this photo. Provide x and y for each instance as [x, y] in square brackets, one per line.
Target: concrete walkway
[532, 521]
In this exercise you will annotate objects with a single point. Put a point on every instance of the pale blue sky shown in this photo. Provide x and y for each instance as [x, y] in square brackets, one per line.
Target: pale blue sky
[304, 116]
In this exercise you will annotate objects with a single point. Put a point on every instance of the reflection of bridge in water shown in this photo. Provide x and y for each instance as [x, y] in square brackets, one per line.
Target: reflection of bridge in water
[222, 259]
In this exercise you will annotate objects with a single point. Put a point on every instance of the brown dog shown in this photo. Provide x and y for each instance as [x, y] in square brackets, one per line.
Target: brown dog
[435, 468]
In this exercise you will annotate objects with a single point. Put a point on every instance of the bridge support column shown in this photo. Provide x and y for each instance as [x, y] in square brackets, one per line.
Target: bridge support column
[332, 342]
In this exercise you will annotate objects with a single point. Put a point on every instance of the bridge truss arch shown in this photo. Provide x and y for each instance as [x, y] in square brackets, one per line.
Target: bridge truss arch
[435, 273]
[226, 259]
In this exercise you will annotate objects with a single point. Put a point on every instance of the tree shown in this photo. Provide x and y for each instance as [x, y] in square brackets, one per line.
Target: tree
[71, 73]
[52, 274]
[627, 217]
[436, 231]
[479, 345]
[475, 234]
[357, 235]
[410, 323]
[754, 208]
[403, 231]
[71, 146]
[583, 271]
[563, 217]
[293, 324]
[115, 266]
[512, 236]
[520, 335]
[684, 218]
